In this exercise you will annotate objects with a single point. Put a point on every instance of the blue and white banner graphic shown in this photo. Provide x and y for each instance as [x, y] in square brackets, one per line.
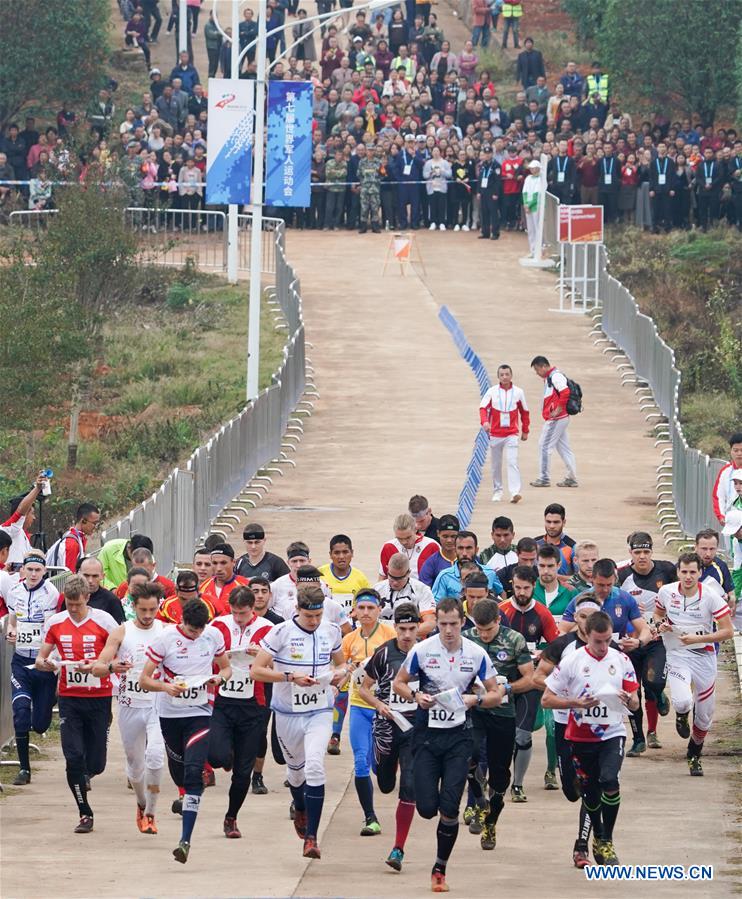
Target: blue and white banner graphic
[231, 125]
[289, 153]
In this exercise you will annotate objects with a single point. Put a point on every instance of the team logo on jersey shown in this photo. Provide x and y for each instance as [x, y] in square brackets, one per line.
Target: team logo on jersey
[586, 669]
[501, 656]
[532, 628]
[611, 669]
[619, 610]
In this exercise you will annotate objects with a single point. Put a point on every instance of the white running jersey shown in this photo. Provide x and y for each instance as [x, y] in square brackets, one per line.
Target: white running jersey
[414, 591]
[582, 674]
[690, 615]
[283, 595]
[236, 637]
[304, 652]
[449, 673]
[502, 560]
[181, 658]
[333, 611]
[133, 649]
[33, 608]
[562, 715]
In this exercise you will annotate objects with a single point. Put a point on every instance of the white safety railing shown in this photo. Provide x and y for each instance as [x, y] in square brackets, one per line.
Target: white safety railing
[686, 476]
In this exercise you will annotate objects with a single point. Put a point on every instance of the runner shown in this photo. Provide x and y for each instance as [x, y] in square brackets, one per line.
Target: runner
[448, 531]
[551, 656]
[392, 734]
[343, 580]
[31, 602]
[79, 634]
[283, 589]
[416, 547]
[237, 725]
[503, 414]
[536, 624]
[502, 552]
[186, 589]
[642, 578]
[714, 567]
[135, 577]
[143, 558]
[357, 648]
[183, 657]
[448, 582]
[555, 517]
[595, 683]
[446, 666]
[474, 589]
[687, 613]
[494, 729]
[526, 551]
[257, 561]
[139, 725]
[401, 587]
[218, 587]
[202, 565]
[303, 659]
[584, 555]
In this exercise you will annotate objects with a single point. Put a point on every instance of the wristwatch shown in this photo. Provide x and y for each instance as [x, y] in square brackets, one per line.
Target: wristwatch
[288, 675]
[110, 667]
[508, 689]
[480, 699]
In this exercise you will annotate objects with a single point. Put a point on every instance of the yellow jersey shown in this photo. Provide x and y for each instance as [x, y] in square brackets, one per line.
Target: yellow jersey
[344, 589]
[357, 648]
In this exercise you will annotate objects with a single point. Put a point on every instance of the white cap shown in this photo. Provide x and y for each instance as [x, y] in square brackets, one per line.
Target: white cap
[534, 164]
[732, 522]
[737, 474]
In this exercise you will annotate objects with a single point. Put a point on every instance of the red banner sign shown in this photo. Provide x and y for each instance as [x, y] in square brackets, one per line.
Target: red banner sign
[580, 224]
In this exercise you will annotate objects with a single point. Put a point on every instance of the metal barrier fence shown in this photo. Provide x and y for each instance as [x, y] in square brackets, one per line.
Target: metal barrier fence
[180, 513]
[635, 334]
[170, 236]
[6, 708]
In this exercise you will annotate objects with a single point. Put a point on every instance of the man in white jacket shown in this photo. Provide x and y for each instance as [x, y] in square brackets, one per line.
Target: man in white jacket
[531, 203]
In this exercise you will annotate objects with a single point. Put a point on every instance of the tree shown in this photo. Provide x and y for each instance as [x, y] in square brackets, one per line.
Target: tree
[587, 16]
[678, 54]
[51, 51]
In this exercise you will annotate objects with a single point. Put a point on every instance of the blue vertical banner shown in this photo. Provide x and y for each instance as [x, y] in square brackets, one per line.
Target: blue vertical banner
[231, 126]
[289, 148]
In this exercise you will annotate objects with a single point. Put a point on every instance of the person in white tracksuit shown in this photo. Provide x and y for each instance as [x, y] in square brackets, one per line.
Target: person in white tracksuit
[503, 413]
[531, 204]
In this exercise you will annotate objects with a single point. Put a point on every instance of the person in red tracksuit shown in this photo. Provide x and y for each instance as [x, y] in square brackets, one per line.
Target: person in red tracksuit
[554, 435]
[499, 412]
[512, 184]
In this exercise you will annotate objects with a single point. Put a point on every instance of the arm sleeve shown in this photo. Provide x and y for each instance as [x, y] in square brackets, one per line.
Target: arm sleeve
[660, 599]
[629, 682]
[716, 495]
[495, 581]
[411, 664]
[551, 631]
[558, 681]
[387, 551]
[569, 612]
[525, 416]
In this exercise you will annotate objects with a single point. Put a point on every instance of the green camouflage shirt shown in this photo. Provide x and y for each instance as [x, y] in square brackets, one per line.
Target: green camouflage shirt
[368, 173]
[337, 174]
[507, 651]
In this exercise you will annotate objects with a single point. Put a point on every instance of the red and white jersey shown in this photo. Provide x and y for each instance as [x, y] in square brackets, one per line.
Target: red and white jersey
[133, 648]
[582, 674]
[218, 594]
[241, 685]
[8, 580]
[81, 641]
[502, 409]
[723, 494]
[283, 595]
[556, 394]
[690, 615]
[20, 537]
[424, 548]
[181, 658]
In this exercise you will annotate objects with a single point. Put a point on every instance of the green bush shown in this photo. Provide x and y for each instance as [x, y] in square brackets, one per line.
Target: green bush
[180, 295]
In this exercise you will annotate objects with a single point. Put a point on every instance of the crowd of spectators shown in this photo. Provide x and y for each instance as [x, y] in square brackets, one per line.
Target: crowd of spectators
[408, 131]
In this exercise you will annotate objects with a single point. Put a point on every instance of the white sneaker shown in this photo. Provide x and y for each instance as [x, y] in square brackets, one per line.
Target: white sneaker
[457, 228]
[464, 227]
[497, 496]
[441, 227]
[432, 227]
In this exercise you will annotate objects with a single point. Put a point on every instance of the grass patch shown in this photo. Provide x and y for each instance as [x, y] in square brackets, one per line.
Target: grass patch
[48, 744]
[690, 283]
[168, 375]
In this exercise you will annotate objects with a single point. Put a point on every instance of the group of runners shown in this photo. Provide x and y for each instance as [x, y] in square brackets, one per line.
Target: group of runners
[445, 668]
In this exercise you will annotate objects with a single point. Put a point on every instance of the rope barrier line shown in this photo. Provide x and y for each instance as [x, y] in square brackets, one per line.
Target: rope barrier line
[468, 495]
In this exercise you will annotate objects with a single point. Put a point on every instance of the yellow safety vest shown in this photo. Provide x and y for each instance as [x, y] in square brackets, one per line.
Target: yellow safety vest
[512, 10]
[600, 86]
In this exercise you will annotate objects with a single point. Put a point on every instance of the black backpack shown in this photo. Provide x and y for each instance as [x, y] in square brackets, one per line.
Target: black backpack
[574, 401]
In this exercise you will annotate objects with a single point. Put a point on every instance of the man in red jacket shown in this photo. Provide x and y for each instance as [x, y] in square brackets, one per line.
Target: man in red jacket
[554, 435]
[504, 414]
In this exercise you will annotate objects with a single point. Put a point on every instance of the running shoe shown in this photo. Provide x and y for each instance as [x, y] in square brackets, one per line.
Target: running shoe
[22, 778]
[568, 482]
[598, 849]
[209, 778]
[395, 859]
[516, 498]
[497, 496]
[517, 795]
[311, 849]
[468, 814]
[652, 741]
[609, 853]
[550, 781]
[477, 822]
[333, 747]
[695, 766]
[180, 854]
[140, 818]
[149, 825]
[663, 704]
[438, 882]
[681, 725]
[540, 482]
[231, 831]
[637, 748]
[258, 786]
[371, 828]
[85, 825]
[177, 807]
[580, 856]
[300, 824]
[488, 840]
